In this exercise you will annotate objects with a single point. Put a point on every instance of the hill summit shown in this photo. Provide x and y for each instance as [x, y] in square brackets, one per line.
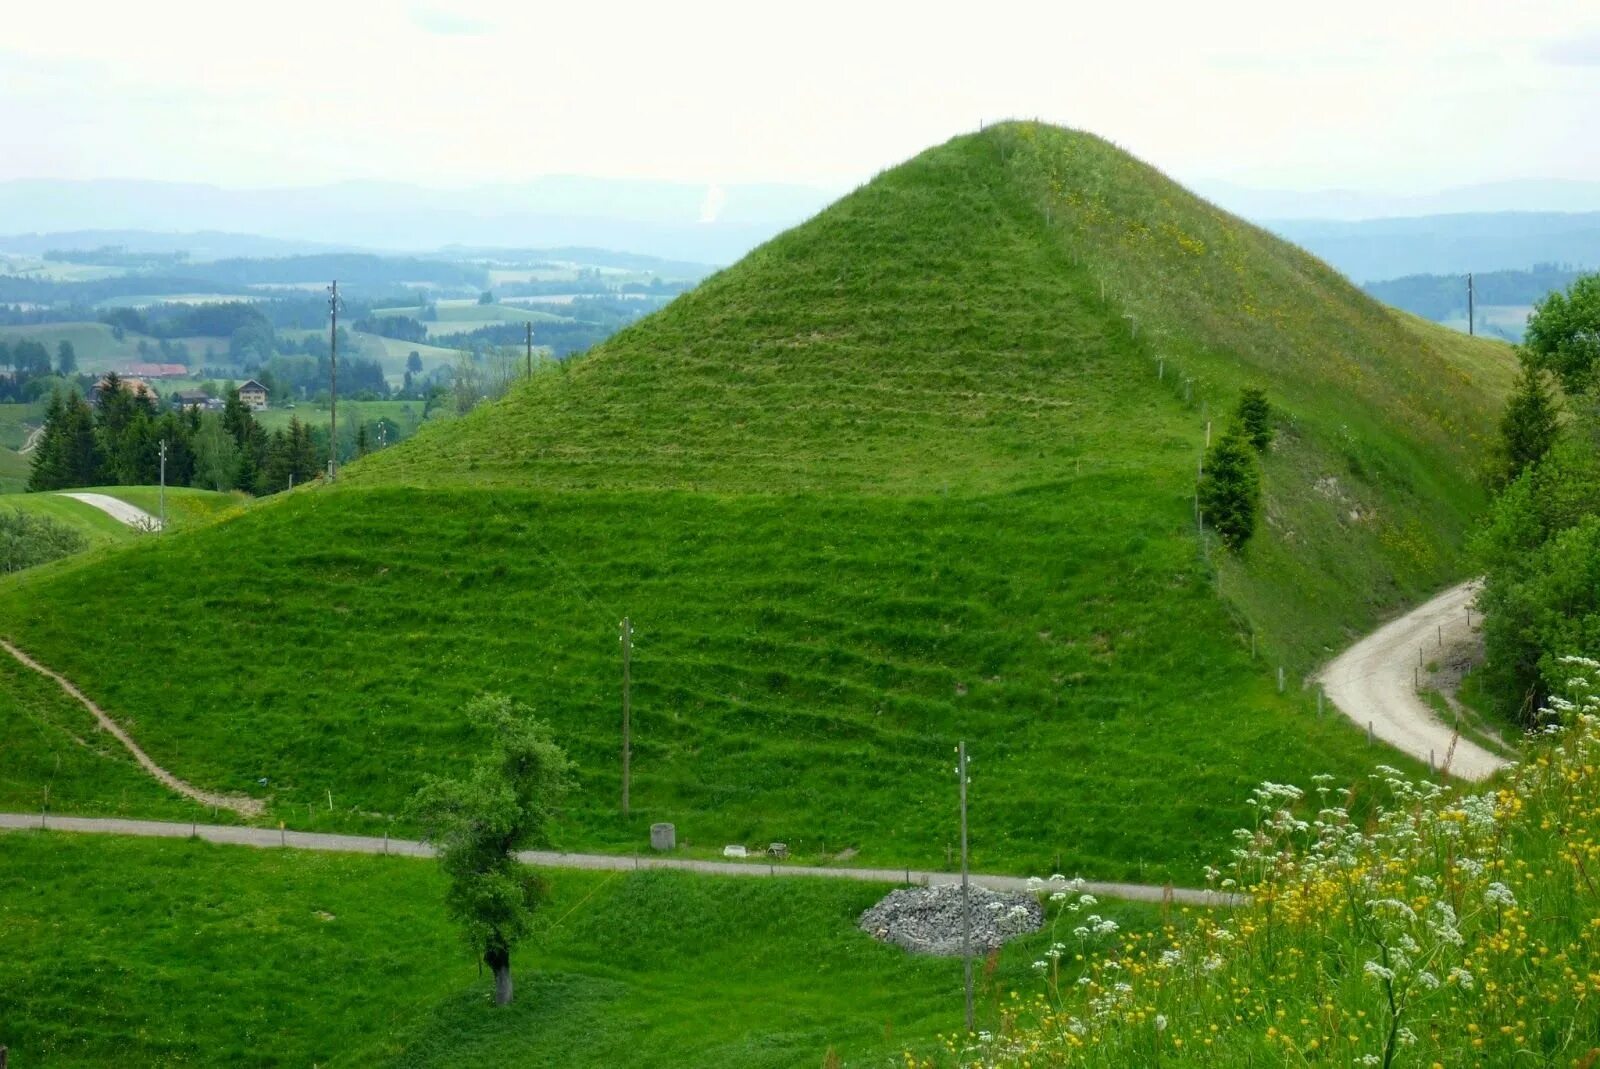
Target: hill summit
[921, 469]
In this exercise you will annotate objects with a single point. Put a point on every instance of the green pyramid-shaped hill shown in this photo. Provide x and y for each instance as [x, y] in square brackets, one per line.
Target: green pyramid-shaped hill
[918, 470]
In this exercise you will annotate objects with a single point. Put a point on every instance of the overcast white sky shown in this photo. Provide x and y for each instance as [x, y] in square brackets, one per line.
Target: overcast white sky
[1391, 95]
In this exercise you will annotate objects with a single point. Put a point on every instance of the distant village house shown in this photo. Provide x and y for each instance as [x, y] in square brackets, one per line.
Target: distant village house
[133, 386]
[187, 399]
[253, 394]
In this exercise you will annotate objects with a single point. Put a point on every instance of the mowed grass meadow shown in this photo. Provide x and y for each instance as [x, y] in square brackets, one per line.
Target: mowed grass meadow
[176, 952]
[803, 682]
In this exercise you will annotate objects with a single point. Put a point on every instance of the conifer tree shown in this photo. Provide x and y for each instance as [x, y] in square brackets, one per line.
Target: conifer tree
[1230, 490]
[48, 452]
[1255, 416]
[81, 459]
[1530, 426]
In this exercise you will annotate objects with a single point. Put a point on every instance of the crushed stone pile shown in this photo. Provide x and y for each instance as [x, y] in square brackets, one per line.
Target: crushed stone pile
[927, 920]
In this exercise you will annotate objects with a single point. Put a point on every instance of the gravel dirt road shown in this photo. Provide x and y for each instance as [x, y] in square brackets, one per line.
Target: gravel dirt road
[1374, 682]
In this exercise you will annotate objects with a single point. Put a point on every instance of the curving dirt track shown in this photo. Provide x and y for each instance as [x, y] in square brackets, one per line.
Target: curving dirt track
[1373, 683]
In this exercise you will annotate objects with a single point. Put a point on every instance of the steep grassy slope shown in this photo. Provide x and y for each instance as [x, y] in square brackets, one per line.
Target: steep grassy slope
[184, 953]
[904, 475]
[803, 681]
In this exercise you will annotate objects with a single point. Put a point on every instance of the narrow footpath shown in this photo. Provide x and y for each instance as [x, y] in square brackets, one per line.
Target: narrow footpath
[1374, 684]
[369, 844]
[245, 807]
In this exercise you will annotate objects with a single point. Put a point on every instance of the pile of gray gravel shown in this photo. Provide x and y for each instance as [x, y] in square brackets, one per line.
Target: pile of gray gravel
[927, 920]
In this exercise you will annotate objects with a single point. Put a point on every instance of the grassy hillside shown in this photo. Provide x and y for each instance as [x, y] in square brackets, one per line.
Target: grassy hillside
[95, 345]
[186, 506]
[906, 474]
[14, 471]
[94, 524]
[187, 953]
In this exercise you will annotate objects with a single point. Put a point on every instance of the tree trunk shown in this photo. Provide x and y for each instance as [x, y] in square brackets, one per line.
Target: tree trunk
[499, 961]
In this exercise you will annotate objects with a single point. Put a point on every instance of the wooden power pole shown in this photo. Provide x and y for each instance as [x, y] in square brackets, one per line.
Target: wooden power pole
[966, 898]
[333, 380]
[627, 709]
[161, 519]
[1472, 320]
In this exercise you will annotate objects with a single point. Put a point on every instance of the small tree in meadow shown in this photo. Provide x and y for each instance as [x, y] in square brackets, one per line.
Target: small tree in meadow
[1255, 416]
[480, 822]
[1230, 489]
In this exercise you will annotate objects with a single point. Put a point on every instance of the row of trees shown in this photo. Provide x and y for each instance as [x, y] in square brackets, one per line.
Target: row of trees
[1540, 547]
[119, 441]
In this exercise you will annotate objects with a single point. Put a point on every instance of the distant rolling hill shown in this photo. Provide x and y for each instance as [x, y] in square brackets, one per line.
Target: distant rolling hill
[1371, 250]
[919, 470]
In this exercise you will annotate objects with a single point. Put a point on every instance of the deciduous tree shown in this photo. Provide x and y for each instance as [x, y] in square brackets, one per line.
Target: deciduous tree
[1563, 334]
[480, 822]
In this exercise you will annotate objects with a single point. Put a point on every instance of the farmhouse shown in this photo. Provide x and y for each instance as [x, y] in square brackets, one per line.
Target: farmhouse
[253, 394]
[186, 399]
[133, 386]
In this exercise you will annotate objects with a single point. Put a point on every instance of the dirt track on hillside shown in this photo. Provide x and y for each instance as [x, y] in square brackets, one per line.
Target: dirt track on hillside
[1373, 683]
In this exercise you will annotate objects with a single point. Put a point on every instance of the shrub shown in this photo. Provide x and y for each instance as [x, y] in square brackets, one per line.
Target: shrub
[26, 540]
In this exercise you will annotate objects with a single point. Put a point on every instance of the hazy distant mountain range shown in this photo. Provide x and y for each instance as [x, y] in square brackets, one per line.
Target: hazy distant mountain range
[1376, 249]
[706, 224]
[1522, 195]
[1368, 236]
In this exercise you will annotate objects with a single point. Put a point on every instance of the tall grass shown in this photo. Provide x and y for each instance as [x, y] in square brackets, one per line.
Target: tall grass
[1453, 928]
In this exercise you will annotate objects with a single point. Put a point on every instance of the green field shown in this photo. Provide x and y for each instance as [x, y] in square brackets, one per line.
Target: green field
[907, 474]
[460, 316]
[156, 953]
[453, 313]
[14, 471]
[55, 270]
[407, 414]
[56, 758]
[15, 422]
[186, 507]
[96, 347]
[94, 524]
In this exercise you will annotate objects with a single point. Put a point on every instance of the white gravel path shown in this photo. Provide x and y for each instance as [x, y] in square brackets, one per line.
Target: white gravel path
[1373, 682]
[117, 509]
[370, 844]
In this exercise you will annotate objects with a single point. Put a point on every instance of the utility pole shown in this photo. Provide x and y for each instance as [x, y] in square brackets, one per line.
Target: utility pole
[162, 521]
[627, 709]
[1472, 321]
[333, 380]
[966, 898]
[529, 325]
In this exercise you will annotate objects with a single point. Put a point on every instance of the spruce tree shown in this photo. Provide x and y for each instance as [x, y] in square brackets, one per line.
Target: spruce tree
[1255, 416]
[1230, 489]
[82, 461]
[1530, 426]
[305, 462]
[48, 471]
